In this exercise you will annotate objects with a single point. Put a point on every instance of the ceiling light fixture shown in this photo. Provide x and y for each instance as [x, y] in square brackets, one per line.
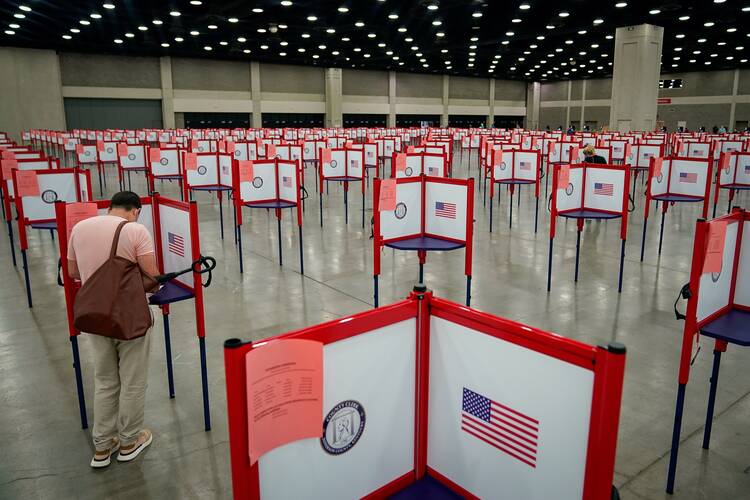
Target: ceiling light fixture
[175, 13]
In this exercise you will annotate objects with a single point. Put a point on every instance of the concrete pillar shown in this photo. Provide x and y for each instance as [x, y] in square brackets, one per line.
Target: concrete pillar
[491, 102]
[257, 116]
[179, 120]
[446, 100]
[334, 117]
[567, 104]
[391, 99]
[167, 92]
[583, 104]
[635, 77]
[533, 96]
[733, 108]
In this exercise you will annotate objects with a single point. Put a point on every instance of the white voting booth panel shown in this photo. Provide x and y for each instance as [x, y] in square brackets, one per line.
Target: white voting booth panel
[371, 154]
[688, 177]
[53, 187]
[570, 197]
[135, 159]
[207, 172]
[742, 281]
[27, 165]
[88, 154]
[263, 185]
[168, 164]
[502, 170]
[413, 167]
[698, 150]
[225, 169]
[176, 242]
[604, 189]
[355, 163]
[660, 183]
[641, 154]
[406, 219]
[715, 288]
[548, 463]
[336, 167]
[377, 370]
[109, 153]
[445, 210]
[287, 179]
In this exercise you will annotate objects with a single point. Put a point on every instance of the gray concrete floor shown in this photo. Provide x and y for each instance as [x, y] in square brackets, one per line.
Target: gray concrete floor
[45, 454]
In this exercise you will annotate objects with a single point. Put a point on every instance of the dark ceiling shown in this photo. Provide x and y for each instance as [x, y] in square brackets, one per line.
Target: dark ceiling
[518, 39]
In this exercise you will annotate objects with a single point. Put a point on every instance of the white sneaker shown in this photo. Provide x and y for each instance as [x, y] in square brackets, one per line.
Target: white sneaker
[100, 462]
[144, 439]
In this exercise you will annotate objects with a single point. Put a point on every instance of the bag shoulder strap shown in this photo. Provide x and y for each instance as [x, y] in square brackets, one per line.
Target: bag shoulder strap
[116, 239]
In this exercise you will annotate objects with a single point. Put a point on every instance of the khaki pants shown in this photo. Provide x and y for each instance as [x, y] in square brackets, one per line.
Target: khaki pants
[120, 380]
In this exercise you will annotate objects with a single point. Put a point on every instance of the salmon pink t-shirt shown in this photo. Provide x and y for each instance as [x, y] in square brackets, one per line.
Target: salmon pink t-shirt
[91, 241]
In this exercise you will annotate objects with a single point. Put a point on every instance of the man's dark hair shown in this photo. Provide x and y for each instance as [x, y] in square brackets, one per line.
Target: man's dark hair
[127, 200]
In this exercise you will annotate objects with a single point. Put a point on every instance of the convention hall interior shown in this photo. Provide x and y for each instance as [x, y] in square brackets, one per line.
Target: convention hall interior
[409, 249]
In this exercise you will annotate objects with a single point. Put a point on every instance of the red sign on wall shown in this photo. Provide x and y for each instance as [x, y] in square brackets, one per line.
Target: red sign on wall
[664, 100]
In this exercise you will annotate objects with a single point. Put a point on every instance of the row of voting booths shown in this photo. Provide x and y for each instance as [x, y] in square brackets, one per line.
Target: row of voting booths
[423, 398]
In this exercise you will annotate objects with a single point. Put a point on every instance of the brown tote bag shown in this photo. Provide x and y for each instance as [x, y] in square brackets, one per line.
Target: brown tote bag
[112, 303]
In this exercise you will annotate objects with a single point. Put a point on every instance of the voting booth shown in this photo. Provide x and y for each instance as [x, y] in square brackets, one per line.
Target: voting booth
[424, 395]
[87, 155]
[164, 164]
[589, 192]
[676, 180]
[511, 168]
[36, 193]
[208, 172]
[130, 158]
[423, 214]
[414, 164]
[174, 228]
[718, 307]
[271, 184]
[346, 166]
[639, 158]
[734, 176]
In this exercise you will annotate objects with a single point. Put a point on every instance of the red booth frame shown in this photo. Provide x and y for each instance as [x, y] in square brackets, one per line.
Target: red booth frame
[71, 288]
[607, 364]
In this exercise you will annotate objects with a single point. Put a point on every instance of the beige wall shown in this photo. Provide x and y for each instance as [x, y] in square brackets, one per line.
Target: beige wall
[30, 91]
[207, 85]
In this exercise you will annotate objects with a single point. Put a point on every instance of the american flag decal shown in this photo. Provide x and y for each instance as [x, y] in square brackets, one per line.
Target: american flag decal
[445, 209]
[688, 177]
[176, 244]
[603, 188]
[500, 426]
[432, 170]
[525, 165]
[286, 181]
[747, 169]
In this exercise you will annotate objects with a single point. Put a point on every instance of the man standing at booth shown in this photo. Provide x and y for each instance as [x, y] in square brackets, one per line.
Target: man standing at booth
[120, 367]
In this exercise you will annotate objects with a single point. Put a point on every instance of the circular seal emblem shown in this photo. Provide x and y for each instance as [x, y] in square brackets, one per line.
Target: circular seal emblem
[569, 189]
[502, 165]
[307, 150]
[49, 196]
[333, 163]
[342, 427]
[408, 171]
[164, 161]
[257, 182]
[202, 170]
[659, 177]
[131, 156]
[715, 276]
[110, 150]
[87, 152]
[400, 211]
[236, 153]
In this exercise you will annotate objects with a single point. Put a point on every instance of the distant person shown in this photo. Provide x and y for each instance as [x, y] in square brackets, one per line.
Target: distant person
[559, 128]
[590, 156]
[715, 129]
[547, 128]
[702, 129]
[120, 367]
[722, 130]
